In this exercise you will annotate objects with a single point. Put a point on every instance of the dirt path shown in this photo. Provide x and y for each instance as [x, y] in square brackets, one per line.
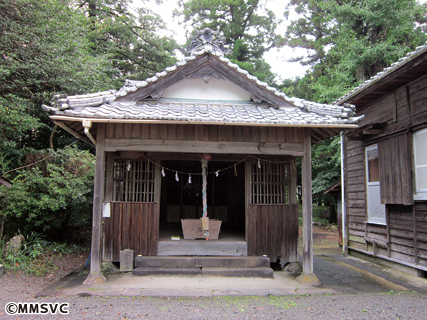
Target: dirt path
[325, 240]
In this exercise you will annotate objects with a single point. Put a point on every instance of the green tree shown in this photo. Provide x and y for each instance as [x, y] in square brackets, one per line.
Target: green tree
[53, 197]
[246, 25]
[130, 40]
[349, 41]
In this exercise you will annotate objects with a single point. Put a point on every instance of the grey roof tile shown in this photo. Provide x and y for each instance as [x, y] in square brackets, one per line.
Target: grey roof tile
[101, 105]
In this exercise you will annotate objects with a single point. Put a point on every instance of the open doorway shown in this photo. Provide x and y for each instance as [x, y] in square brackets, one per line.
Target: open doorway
[182, 198]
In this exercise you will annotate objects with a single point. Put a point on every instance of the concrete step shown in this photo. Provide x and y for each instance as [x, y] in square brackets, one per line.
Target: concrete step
[265, 272]
[207, 271]
[165, 262]
[200, 262]
[232, 262]
[166, 271]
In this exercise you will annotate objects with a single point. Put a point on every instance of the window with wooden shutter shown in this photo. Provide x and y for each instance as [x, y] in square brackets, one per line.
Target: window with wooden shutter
[270, 183]
[395, 162]
[376, 210]
[420, 164]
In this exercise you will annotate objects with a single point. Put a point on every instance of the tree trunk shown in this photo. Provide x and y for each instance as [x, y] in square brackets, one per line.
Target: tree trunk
[2, 217]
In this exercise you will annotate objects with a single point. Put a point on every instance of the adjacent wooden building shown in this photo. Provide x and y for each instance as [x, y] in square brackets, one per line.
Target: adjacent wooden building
[154, 138]
[385, 164]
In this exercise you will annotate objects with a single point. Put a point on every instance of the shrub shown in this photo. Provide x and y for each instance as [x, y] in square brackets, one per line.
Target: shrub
[54, 197]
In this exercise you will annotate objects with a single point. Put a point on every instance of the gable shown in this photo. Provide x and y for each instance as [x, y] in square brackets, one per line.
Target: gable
[206, 66]
[213, 89]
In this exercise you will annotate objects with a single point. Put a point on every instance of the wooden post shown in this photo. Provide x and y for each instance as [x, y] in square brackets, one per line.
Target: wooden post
[95, 276]
[308, 277]
[293, 254]
[307, 207]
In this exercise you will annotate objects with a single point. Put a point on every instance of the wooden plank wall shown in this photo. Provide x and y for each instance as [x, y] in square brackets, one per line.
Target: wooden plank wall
[203, 132]
[130, 226]
[271, 229]
[404, 238]
[418, 102]
[355, 192]
[421, 233]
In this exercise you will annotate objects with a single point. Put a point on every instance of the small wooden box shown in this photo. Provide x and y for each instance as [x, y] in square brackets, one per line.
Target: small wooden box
[192, 229]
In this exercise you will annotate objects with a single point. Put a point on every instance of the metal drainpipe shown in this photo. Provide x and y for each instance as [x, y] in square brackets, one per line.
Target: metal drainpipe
[87, 124]
[344, 216]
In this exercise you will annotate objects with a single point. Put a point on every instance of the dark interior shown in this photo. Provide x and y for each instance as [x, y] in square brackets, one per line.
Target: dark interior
[183, 200]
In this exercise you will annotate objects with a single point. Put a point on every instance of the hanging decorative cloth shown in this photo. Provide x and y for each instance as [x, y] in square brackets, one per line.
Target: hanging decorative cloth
[204, 188]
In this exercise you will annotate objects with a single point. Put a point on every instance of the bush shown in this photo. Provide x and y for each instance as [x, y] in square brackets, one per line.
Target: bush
[54, 197]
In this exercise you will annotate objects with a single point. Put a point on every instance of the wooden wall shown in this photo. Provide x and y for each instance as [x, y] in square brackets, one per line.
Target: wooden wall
[272, 230]
[203, 132]
[132, 226]
[404, 237]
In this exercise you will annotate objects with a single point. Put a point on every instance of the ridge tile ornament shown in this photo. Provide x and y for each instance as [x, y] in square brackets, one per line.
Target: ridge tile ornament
[207, 38]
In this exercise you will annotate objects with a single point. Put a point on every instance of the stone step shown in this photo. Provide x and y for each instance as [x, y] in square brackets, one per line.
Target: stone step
[165, 262]
[200, 262]
[207, 271]
[264, 272]
[232, 262]
[166, 271]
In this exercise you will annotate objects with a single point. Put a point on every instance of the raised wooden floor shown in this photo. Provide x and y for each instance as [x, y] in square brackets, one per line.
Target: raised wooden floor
[228, 244]
[202, 265]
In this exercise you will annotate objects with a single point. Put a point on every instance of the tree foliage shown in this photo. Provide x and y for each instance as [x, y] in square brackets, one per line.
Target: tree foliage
[62, 46]
[246, 25]
[350, 41]
[53, 197]
[130, 40]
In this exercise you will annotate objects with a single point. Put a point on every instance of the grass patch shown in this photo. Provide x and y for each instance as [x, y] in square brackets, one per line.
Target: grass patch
[36, 255]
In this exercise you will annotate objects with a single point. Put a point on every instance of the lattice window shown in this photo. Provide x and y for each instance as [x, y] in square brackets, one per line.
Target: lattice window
[133, 181]
[270, 183]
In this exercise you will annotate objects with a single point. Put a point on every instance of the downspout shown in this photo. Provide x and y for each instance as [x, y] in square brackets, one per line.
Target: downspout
[87, 124]
[344, 215]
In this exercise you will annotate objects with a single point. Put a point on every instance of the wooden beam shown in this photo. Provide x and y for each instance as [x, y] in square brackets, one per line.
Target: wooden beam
[95, 276]
[157, 145]
[73, 132]
[5, 182]
[307, 210]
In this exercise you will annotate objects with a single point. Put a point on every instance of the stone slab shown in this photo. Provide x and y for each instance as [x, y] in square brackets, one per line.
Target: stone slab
[166, 271]
[202, 248]
[165, 262]
[126, 260]
[231, 262]
[238, 272]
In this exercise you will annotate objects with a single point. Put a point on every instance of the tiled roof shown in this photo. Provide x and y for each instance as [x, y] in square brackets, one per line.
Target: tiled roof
[102, 105]
[212, 112]
[380, 75]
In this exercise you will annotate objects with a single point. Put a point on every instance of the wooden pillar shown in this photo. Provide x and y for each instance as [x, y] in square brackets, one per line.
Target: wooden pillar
[307, 206]
[95, 276]
[293, 254]
[307, 277]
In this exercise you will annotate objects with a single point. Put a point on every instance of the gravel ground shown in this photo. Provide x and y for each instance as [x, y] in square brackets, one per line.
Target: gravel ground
[358, 306]
[23, 288]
